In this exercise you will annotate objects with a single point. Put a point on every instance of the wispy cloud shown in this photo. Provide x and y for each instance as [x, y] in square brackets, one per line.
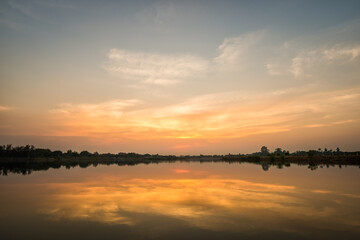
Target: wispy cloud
[234, 55]
[274, 69]
[115, 108]
[168, 69]
[233, 52]
[153, 68]
[312, 62]
[4, 108]
[346, 53]
[214, 116]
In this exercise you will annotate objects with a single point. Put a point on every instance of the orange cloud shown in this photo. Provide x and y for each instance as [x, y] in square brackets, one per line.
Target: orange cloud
[4, 108]
[181, 170]
[198, 125]
[217, 116]
[181, 146]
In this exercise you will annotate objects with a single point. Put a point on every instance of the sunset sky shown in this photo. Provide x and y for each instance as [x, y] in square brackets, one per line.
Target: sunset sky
[180, 77]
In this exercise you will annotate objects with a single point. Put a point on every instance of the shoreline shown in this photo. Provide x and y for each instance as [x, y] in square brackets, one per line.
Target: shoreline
[28, 165]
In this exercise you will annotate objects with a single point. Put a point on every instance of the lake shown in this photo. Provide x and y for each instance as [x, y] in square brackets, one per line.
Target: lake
[182, 201]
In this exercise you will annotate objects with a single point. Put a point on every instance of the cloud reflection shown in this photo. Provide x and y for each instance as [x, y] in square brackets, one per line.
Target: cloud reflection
[210, 203]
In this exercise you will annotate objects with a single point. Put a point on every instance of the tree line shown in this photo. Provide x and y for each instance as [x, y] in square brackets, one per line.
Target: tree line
[29, 151]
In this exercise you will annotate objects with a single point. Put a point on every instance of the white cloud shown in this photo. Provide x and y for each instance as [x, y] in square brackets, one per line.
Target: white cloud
[338, 52]
[247, 57]
[154, 68]
[310, 62]
[313, 61]
[273, 69]
[168, 69]
[113, 108]
[233, 51]
[299, 62]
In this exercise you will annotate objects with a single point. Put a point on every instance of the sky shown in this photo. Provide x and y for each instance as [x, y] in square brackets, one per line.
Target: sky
[180, 77]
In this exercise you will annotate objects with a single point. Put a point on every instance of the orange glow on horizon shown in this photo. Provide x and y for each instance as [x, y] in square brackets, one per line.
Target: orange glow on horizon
[181, 170]
[259, 116]
[195, 125]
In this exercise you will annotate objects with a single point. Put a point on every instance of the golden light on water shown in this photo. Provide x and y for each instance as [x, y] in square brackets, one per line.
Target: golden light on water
[210, 198]
[210, 203]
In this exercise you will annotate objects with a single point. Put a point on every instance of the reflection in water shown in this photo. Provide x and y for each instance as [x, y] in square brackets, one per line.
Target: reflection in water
[221, 204]
[203, 199]
[199, 201]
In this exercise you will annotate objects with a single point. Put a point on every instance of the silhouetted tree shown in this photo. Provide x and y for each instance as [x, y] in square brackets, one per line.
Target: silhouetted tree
[264, 151]
[311, 153]
[278, 151]
[85, 154]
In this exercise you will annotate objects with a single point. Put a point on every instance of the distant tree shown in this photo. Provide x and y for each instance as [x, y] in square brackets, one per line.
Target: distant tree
[42, 152]
[272, 158]
[74, 154]
[264, 150]
[311, 153]
[85, 154]
[278, 151]
[57, 153]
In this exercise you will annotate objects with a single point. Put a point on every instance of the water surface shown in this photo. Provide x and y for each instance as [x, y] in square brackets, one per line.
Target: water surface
[182, 201]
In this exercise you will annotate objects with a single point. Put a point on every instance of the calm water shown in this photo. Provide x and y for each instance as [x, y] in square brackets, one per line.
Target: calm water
[182, 201]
